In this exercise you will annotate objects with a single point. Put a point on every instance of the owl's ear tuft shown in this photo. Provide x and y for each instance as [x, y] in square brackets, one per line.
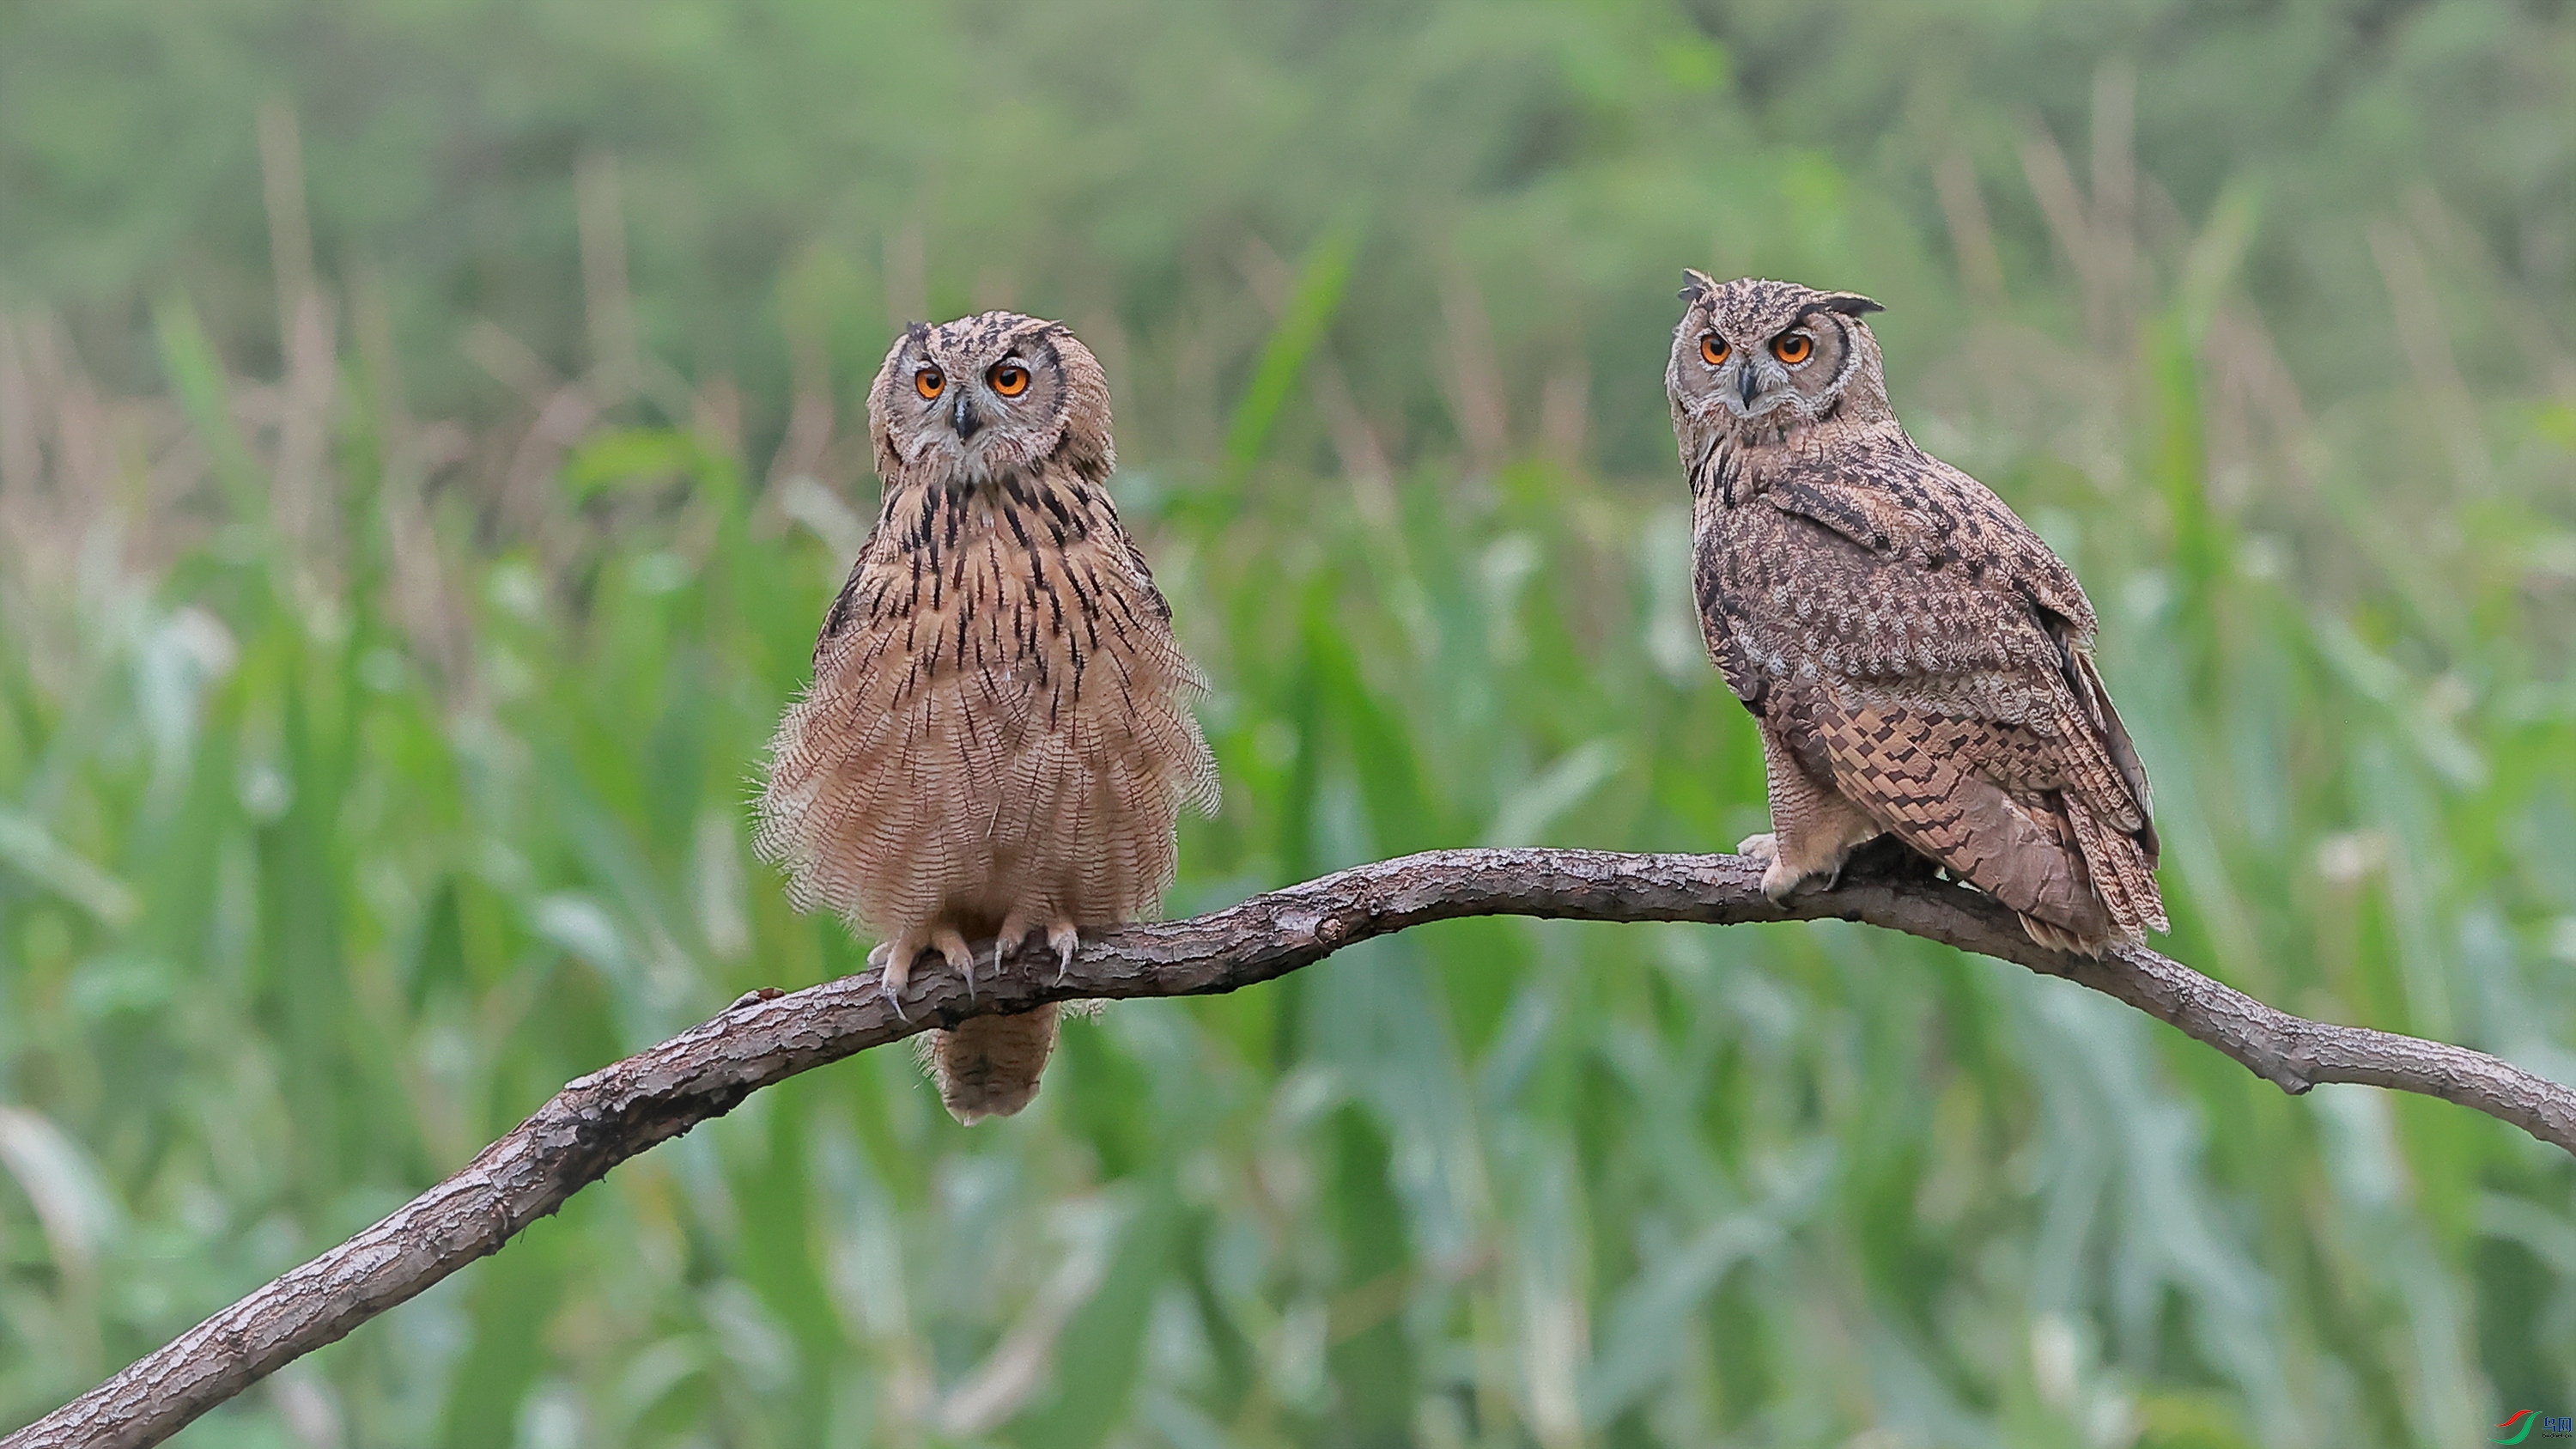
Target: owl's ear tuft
[1696, 285]
[1850, 304]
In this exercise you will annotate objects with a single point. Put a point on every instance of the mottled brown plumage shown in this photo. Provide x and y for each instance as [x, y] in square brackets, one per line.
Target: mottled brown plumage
[998, 738]
[1918, 661]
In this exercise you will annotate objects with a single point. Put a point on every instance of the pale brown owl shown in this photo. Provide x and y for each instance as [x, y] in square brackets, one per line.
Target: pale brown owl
[998, 739]
[1917, 661]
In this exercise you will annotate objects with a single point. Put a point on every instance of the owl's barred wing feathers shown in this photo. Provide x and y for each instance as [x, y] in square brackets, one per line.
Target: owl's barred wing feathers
[1961, 708]
[1932, 781]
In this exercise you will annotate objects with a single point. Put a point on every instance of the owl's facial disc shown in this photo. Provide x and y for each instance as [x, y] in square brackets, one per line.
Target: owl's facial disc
[986, 416]
[983, 400]
[1762, 357]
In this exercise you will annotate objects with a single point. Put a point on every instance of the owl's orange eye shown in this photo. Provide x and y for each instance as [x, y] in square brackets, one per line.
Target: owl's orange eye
[929, 381]
[1009, 378]
[1792, 347]
[1714, 350]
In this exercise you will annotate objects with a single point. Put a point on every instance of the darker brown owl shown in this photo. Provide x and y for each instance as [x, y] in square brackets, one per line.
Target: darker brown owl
[1918, 662]
[998, 738]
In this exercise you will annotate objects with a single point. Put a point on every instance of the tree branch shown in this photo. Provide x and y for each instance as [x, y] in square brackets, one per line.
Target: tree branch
[617, 1112]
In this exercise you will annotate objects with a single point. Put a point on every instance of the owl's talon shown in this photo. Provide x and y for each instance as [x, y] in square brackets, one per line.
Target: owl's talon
[1000, 945]
[895, 969]
[1779, 878]
[953, 947]
[1067, 942]
[1779, 882]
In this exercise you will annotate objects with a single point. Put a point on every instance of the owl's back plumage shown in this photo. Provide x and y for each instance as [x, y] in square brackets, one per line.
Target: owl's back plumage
[1919, 661]
[998, 737]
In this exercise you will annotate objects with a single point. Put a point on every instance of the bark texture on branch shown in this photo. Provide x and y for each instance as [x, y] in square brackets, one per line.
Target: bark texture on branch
[617, 1112]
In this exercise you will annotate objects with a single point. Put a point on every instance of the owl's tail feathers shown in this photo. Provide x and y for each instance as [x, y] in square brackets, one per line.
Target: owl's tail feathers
[2025, 855]
[2122, 869]
[988, 1066]
[2078, 883]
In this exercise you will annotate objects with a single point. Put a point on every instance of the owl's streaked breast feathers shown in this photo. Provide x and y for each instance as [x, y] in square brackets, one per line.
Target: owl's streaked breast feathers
[998, 737]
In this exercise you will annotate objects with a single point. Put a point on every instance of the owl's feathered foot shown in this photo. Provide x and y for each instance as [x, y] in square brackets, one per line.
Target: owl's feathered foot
[895, 959]
[1779, 877]
[1814, 833]
[881, 959]
[1062, 937]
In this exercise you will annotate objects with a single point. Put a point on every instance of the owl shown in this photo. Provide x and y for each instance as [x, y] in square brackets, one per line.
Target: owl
[998, 739]
[1917, 662]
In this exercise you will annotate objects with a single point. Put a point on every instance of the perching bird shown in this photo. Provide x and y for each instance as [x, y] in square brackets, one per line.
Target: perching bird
[998, 739]
[1918, 663]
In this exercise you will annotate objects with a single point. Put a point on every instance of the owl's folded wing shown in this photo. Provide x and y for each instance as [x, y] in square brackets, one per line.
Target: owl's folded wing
[1964, 615]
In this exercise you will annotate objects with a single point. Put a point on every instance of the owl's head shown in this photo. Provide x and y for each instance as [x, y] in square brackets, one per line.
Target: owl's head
[1772, 356]
[988, 397]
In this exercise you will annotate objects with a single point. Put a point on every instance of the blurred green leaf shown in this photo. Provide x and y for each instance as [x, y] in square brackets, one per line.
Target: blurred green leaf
[1303, 321]
[1103, 1346]
[26, 848]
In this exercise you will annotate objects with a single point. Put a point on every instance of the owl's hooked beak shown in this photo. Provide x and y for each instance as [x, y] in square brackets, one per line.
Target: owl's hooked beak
[962, 418]
[1747, 398]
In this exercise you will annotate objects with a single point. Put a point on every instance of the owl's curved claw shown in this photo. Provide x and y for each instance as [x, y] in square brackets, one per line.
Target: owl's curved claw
[894, 968]
[1067, 942]
[1000, 944]
[953, 946]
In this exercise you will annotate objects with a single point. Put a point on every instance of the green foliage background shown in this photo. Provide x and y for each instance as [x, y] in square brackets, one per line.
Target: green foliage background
[429, 436]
